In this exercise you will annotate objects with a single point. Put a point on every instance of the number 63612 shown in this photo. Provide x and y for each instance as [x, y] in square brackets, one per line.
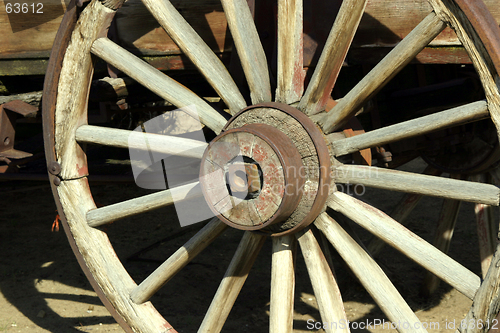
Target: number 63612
[24, 8]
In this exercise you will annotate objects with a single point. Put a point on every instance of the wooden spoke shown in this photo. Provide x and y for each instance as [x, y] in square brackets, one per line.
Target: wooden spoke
[177, 261]
[324, 284]
[326, 248]
[418, 184]
[198, 52]
[402, 210]
[250, 50]
[233, 281]
[442, 237]
[333, 55]
[138, 140]
[282, 284]
[290, 52]
[486, 229]
[369, 274]
[399, 57]
[408, 129]
[157, 82]
[407, 242]
[146, 203]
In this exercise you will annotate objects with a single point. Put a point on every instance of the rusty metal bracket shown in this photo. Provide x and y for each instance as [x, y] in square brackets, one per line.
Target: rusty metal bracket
[9, 112]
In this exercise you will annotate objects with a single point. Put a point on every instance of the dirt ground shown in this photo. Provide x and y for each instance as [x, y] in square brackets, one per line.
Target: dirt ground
[42, 288]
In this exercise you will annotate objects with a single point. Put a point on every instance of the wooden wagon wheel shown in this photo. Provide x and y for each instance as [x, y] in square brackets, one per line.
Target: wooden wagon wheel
[287, 138]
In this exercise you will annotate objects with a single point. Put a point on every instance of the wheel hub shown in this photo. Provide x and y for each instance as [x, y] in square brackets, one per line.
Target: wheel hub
[269, 170]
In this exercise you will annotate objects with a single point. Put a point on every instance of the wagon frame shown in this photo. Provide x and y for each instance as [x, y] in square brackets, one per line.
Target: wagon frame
[297, 125]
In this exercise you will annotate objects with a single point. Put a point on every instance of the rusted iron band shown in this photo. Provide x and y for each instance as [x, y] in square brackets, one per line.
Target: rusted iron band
[319, 141]
[486, 27]
[290, 161]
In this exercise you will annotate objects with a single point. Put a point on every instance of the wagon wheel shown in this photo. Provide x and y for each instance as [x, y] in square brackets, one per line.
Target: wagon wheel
[278, 138]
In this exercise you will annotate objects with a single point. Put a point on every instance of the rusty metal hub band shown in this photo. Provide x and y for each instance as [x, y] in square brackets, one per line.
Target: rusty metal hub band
[290, 154]
[251, 176]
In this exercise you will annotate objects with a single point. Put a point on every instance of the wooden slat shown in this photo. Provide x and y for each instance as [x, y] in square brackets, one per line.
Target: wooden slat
[399, 57]
[139, 29]
[369, 274]
[411, 128]
[486, 226]
[177, 261]
[31, 36]
[290, 52]
[332, 57]
[157, 82]
[250, 50]
[407, 242]
[381, 26]
[146, 203]
[442, 237]
[324, 284]
[419, 184]
[282, 284]
[233, 281]
[402, 210]
[198, 52]
[138, 140]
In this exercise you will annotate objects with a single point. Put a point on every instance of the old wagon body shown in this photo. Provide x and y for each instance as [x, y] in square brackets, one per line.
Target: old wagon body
[26, 39]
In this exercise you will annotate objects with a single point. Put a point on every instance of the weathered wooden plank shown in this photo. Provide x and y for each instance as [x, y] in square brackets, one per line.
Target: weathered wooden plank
[420, 184]
[371, 276]
[399, 57]
[32, 98]
[157, 82]
[177, 261]
[250, 50]
[411, 128]
[324, 284]
[233, 281]
[387, 22]
[383, 25]
[282, 284]
[146, 203]
[30, 33]
[138, 29]
[332, 57]
[410, 244]
[21, 66]
[138, 140]
[429, 55]
[290, 52]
